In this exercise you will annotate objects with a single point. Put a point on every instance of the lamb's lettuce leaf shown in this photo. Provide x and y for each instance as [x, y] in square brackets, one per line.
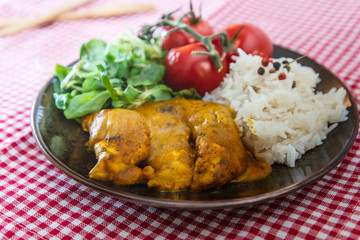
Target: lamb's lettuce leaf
[124, 74]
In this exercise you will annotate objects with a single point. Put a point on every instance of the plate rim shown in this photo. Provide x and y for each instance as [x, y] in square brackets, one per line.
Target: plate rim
[190, 204]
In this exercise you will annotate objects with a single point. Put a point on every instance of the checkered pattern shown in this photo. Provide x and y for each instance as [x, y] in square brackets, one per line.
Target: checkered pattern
[37, 201]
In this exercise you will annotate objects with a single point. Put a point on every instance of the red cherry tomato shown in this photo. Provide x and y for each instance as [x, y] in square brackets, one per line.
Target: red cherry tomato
[251, 40]
[181, 38]
[184, 70]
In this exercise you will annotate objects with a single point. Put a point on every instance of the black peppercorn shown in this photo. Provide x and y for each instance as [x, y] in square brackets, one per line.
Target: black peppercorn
[276, 65]
[261, 71]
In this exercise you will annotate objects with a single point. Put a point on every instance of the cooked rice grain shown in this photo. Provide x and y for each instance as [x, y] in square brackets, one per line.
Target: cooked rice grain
[280, 119]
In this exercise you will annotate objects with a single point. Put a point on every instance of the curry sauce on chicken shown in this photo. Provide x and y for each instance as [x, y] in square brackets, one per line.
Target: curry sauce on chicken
[171, 145]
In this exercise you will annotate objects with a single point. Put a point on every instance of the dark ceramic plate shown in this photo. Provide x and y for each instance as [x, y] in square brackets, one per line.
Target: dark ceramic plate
[63, 142]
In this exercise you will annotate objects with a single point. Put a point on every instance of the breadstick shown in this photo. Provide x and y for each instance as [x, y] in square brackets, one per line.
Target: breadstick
[19, 25]
[106, 10]
[8, 22]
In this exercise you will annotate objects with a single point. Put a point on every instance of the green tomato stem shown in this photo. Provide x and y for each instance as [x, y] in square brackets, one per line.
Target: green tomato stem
[206, 40]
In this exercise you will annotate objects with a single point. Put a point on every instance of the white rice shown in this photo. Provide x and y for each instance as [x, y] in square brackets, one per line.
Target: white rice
[279, 120]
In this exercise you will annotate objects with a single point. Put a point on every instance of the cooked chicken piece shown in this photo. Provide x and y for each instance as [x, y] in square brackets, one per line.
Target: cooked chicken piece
[120, 139]
[185, 144]
[221, 153]
[221, 156]
[171, 160]
[256, 169]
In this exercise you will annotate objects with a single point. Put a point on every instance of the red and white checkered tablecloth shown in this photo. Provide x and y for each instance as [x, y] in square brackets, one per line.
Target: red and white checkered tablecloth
[38, 201]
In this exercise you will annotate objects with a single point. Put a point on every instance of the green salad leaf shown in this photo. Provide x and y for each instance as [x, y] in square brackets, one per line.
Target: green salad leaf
[124, 74]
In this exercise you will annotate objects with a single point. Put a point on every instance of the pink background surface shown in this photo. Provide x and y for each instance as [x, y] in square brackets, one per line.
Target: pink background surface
[37, 201]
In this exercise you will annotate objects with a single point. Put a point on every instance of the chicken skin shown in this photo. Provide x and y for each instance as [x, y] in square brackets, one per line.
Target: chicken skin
[120, 139]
